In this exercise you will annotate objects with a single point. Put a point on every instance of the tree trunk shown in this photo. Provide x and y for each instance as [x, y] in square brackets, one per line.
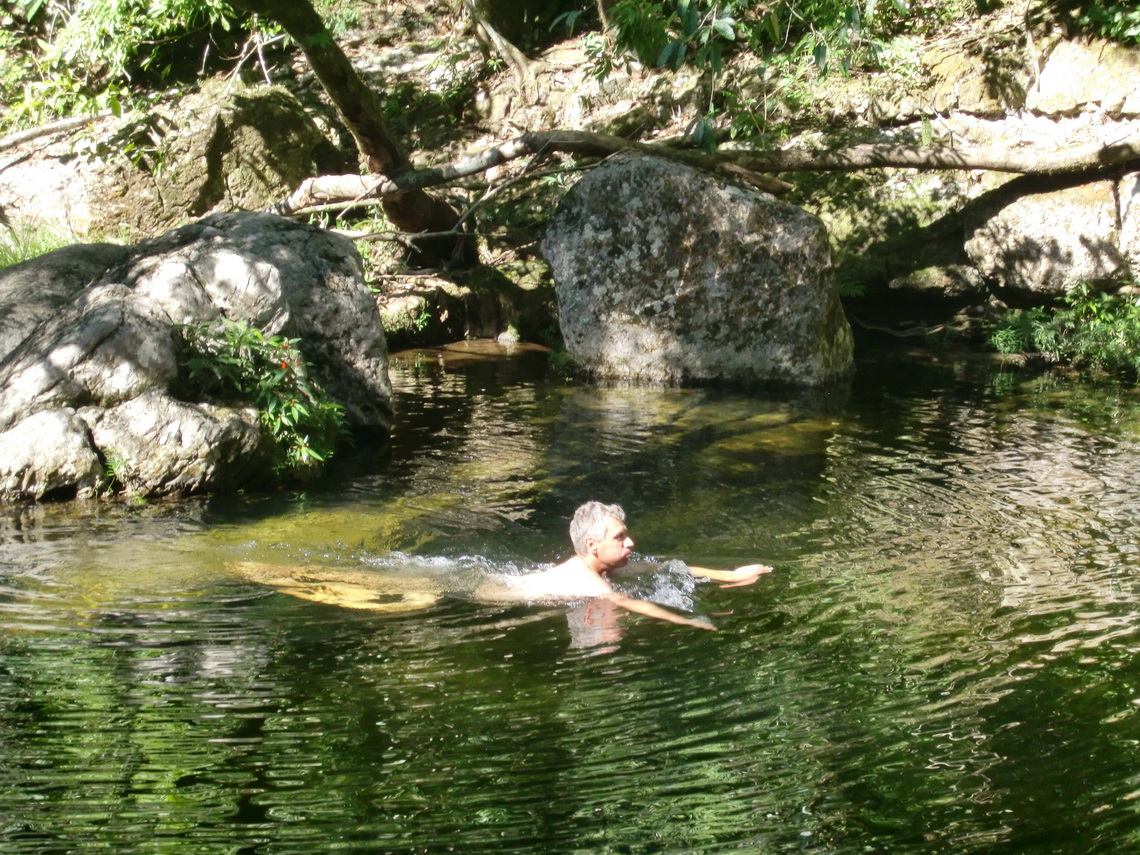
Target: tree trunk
[412, 210]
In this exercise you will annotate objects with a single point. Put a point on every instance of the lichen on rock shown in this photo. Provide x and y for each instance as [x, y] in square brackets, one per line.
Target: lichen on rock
[667, 274]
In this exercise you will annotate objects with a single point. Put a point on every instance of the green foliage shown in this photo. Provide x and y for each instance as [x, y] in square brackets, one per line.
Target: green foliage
[21, 243]
[230, 360]
[83, 59]
[114, 469]
[404, 321]
[1093, 330]
[127, 35]
[1117, 21]
[566, 20]
[1113, 19]
[340, 16]
[701, 32]
[794, 38]
[1024, 332]
[565, 365]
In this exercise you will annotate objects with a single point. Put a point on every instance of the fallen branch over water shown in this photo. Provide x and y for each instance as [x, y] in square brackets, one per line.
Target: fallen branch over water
[751, 166]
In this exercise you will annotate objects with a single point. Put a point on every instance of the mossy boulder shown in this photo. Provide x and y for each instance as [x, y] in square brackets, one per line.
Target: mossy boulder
[224, 148]
[667, 274]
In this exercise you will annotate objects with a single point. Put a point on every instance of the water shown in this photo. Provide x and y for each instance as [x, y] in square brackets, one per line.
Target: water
[943, 661]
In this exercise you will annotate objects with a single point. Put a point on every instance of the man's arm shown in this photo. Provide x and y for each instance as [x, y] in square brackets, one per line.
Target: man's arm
[745, 575]
[643, 607]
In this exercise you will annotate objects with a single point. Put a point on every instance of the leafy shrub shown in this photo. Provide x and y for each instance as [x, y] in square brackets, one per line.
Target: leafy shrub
[1092, 330]
[232, 361]
[794, 38]
[1113, 19]
[702, 32]
[84, 55]
[1025, 331]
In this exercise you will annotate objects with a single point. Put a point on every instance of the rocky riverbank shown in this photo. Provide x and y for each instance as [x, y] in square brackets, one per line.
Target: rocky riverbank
[92, 392]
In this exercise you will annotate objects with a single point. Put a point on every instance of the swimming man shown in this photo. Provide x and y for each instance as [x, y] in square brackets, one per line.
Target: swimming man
[601, 545]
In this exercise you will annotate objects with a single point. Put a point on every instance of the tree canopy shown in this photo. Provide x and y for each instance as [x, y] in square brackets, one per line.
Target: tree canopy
[69, 57]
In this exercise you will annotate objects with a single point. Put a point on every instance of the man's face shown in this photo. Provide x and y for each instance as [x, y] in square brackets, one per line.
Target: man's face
[613, 550]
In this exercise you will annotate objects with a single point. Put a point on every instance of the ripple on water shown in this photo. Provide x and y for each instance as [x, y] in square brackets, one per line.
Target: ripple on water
[943, 660]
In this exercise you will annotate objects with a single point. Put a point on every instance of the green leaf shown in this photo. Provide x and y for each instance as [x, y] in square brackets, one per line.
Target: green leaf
[673, 54]
[773, 24]
[715, 58]
[819, 55]
[724, 27]
[321, 40]
[567, 18]
[688, 17]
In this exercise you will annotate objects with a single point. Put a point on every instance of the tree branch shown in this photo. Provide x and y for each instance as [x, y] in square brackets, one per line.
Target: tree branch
[61, 126]
[750, 166]
[1100, 155]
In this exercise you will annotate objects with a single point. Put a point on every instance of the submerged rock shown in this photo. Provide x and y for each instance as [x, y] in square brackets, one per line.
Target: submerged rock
[98, 374]
[664, 273]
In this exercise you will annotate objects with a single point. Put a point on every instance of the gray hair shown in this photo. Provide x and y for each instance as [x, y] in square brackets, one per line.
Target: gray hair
[590, 521]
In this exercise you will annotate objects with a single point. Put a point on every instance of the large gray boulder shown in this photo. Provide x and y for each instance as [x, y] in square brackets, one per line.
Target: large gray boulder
[34, 292]
[667, 274]
[156, 445]
[49, 453]
[96, 374]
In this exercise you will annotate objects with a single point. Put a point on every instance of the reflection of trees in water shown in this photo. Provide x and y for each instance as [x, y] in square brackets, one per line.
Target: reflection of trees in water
[940, 662]
[973, 555]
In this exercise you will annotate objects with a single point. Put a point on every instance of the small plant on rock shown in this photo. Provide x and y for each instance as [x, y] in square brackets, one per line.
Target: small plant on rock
[231, 361]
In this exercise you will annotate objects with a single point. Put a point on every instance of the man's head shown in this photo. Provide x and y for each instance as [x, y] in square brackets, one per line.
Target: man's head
[599, 535]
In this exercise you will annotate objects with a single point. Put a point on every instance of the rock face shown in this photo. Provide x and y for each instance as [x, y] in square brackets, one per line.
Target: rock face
[154, 444]
[49, 453]
[1024, 240]
[667, 274]
[93, 375]
[1044, 243]
[1095, 74]
[221, 149]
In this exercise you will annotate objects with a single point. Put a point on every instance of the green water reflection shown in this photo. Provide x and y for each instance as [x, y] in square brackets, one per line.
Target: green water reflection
[942, 662]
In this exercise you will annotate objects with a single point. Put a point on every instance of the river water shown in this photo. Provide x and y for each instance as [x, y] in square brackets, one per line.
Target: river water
[942, 661]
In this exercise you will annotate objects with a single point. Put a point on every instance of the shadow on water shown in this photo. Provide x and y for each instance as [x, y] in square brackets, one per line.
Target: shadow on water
[943, 661]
